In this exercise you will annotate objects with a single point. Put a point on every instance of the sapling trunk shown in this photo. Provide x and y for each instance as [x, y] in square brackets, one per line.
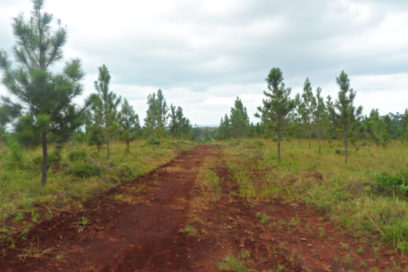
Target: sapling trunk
[346, 136]
[45, 159]
[154, 141]
[279, 145]
[107, 147]
[346, 149]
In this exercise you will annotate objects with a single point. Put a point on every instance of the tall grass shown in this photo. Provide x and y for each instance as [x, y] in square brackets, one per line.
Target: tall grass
[75, 173]
[348, 194]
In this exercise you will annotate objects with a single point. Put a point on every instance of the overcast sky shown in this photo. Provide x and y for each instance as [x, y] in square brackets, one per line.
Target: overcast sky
[203, 54]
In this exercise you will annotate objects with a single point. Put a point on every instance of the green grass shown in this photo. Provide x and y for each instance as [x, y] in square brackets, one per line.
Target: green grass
[190, 230]
[209, 181]
[263, 217]
[347, 194]
[80, 172]
[232, 264]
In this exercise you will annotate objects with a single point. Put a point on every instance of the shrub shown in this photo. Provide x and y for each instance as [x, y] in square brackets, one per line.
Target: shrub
[77, 155]
[232, 264]
[37, 161]
[151, 141]
[85, 170]
[263, 217]
[55, 158]
[16, 155]
[259, 144]
[124, 172]
[392, 184]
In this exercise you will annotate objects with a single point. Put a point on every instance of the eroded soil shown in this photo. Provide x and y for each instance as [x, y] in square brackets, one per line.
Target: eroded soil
[162, 222]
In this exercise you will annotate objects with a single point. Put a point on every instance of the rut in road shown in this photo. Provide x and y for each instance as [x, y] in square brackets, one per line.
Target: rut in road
[134, 227]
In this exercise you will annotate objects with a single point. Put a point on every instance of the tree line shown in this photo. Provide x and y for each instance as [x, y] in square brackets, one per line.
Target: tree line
[40, 108]
[311, 116]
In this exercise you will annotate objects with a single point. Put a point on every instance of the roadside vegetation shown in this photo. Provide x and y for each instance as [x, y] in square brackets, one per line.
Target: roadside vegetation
[367, 196]
[324, 153]
[76, 172]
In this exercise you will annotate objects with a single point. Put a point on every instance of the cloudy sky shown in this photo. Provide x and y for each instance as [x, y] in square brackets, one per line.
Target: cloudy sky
[203, 54]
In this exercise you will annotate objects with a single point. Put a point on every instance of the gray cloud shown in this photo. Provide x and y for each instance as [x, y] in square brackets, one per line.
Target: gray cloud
[205, 53]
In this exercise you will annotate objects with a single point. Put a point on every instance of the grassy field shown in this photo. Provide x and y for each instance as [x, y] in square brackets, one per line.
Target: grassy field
[78, 172]
[352, 195]
[356, 195]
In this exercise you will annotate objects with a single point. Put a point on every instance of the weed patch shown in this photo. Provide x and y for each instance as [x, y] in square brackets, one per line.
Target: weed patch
[263, 217]
[232, 264]
[86, 170]
[77, 155]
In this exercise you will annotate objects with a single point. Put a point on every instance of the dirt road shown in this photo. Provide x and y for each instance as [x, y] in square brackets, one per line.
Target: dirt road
[141, 226]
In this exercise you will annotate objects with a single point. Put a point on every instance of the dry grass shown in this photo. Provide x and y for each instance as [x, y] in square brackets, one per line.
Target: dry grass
[346, 193]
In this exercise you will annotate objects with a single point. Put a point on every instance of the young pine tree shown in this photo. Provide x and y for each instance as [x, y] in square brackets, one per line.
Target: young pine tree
[129, 125]
[239, 120]
[374, 126]
[94, 121]
[346, 114]
[307, 106]
[156, 117]
[41, 95]
[277, 105]
[108, 101]
[296, 120]
[404, 126]
[224, 128]
[391, 130]
[180, 126]
[319, 115]
[331, 124]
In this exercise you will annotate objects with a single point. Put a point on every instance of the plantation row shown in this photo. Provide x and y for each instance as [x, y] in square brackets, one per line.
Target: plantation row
[40, 109]
[309, 116]
[357, 196]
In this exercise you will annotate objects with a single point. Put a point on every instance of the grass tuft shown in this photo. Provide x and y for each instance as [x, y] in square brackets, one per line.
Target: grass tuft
[232, 264]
